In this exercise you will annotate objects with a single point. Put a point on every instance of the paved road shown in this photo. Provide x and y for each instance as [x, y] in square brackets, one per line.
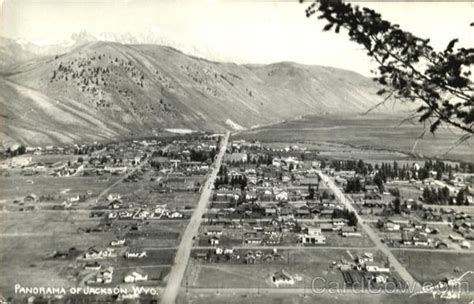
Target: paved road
[404, 274]
[184, 250]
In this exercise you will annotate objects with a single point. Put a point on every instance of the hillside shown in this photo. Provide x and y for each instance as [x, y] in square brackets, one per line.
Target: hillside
[12, 52]
[108, 90]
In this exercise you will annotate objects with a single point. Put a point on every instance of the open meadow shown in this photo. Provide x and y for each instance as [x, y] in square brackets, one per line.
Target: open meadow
[364, 137]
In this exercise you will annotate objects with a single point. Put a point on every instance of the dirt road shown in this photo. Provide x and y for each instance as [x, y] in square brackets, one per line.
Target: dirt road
[404, 274]
[184, 250]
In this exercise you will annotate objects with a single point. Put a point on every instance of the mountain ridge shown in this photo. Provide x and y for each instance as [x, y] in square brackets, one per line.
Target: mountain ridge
[135, 90]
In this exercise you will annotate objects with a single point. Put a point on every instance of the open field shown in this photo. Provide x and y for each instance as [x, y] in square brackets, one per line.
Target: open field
[196, 296]
[371, 133]
[305, 264]
[25, 261]
[435, 266]
[45, 223]
[157, 234]
[18, 187]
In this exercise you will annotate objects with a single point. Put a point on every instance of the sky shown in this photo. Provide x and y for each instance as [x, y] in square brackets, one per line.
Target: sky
[240, 31]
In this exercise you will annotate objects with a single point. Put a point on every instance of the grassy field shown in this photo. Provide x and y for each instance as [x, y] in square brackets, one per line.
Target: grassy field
[369, 133]
[254, 296]
[17, 187]
[435, 266]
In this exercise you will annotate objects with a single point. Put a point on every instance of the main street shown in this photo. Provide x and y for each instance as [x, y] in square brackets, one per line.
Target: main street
[404, 274]
[184, 250]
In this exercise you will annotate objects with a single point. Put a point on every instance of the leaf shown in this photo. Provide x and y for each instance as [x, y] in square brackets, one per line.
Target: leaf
[327, 27]
[381, 91]
[425, 116]
[451, 44]
[435, 126]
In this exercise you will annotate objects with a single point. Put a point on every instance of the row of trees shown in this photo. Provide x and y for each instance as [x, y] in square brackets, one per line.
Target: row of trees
[235, 181]
[354, 186]
[442, 196]
[403, 172]
[15, 152]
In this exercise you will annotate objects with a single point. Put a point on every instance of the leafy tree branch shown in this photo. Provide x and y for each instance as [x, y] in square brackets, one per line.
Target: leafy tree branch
[409, 69]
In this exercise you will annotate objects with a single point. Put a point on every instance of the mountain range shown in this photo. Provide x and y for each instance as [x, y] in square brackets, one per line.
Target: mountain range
[97, 91]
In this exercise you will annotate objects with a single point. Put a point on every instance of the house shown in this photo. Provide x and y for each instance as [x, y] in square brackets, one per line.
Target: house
[327, 227]
[270, 211]
[66, 204]
[349, 231]
[372, 267]
[250, 258]
[456, 239]
[117, 242]
[282, 277]
[282, 196]
[135, 253]
[286, 213]
[98, 253]
[30, 198]
[326, 213]
[415, 238]
[311, 230]
[391, 226]
[201, 256]
[214, 240]
[105, 275]
[371, 189]
[310, 181]
[136, 275]
[175, 214]
[380, 279]
[214, 230]
[229, 251]
[113, 196]
[367, 257]
[339, 222]
[303, 213]
[92, 265]
[141, 214]
[115, 204]
[312, 239]
[253, 240]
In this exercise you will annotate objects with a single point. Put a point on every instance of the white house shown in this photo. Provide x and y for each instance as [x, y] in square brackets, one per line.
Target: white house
[137, 275]
[282, 277]
[135, 253]
[370, 267]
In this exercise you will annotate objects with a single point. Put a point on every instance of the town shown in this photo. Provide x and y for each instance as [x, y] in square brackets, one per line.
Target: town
[201, 213]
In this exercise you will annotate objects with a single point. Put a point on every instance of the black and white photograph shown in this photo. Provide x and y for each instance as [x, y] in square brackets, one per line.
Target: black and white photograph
[236, 151]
